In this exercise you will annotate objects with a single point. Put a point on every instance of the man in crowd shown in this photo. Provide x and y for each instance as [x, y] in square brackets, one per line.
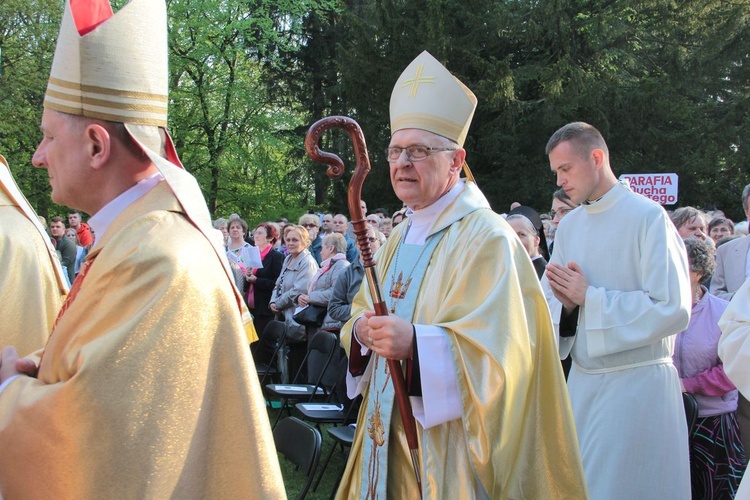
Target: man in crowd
[66, 247]
[32, 285]
[492, 413]
[618, 290]
[340, 225]
[732, 270]
[327, 224]
[85, 238]
[146, 388]
[733, 260]
[311, 222]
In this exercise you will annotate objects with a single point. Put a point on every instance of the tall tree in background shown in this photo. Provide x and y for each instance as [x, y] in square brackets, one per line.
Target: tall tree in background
[27, 44]
[225, 123]
[667, 83]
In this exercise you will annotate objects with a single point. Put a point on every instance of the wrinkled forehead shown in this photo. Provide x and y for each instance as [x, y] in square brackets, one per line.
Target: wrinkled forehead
[408, 136]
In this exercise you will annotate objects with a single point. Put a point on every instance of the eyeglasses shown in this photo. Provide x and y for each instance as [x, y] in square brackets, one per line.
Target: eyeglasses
[415, 152]
[561, 213]
[309, 225]
[372, 240]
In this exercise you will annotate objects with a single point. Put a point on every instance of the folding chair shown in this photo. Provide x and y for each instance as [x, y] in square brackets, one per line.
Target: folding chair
[319, 354]
[329, 412]
[300, 443]
[343, 435]
[274, 330]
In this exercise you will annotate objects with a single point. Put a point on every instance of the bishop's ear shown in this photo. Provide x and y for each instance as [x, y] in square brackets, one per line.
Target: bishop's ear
[98, 144]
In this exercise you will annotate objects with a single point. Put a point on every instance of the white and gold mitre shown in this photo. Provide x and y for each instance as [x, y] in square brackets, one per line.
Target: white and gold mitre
[117, 71]
[428, 97]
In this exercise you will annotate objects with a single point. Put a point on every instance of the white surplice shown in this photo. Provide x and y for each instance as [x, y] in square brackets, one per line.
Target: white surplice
[624, 389]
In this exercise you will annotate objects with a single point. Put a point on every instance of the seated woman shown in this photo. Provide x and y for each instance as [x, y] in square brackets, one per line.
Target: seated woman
[298, 268]
[349, 282]
[333, 253]
[717, 458]
[530, 239]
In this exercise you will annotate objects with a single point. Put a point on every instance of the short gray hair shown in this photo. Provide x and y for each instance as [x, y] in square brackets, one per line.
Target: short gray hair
[335, 240]
[683, 215]
[700, 257]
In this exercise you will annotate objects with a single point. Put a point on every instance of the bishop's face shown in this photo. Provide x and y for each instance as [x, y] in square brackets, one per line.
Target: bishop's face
[419, 184]
[63, 153]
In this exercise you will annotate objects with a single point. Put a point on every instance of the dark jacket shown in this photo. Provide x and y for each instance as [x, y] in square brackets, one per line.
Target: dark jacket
[68, 252]
[267, 276]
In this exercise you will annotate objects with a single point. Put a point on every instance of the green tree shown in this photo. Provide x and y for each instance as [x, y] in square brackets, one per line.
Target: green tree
[27, 43]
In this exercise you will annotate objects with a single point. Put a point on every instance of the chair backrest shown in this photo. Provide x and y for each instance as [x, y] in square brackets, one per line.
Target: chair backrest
[299, 442]
[322, 351]
[274, 330]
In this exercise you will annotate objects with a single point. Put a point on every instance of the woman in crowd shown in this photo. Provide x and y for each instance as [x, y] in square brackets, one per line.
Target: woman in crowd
[221, 225]
[398, 217]
[298, 268]
[311, 222]
[320, 289]
[717, 459]
[562, 205]
[348, 284]
[530, 239]
[386, 226]
[690, 222]
[719, 228]
[81, 252]
[260, 285]
[238, 251]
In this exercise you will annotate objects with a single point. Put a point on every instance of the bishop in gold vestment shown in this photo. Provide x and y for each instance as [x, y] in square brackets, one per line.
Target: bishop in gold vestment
[32, 287]
[146, 388]
[516, 438]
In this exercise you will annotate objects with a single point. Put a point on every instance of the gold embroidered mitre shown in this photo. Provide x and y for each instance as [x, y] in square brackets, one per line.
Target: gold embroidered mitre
[114, 70]
[428, 97]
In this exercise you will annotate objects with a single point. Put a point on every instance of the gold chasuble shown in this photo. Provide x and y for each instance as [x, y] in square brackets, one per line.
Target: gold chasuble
[146, 388]
[516, 438]
[32, 287]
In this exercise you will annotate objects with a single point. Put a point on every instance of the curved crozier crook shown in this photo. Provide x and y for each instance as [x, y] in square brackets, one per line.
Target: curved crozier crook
[336, 170]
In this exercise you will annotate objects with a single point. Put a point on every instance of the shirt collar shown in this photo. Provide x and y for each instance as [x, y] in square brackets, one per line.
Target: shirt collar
[101, 221]
[421, 221]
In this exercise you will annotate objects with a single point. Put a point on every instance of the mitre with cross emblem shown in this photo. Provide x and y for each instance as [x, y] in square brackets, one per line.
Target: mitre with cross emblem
[428, 97]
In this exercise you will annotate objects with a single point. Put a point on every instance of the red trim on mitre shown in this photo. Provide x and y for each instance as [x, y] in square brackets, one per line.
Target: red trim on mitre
[88, 14]
[171, 151]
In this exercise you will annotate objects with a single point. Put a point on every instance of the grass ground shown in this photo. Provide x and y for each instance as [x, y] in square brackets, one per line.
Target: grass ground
[294, 480]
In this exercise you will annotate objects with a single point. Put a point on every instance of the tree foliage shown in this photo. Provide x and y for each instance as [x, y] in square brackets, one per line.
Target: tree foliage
[667, 83]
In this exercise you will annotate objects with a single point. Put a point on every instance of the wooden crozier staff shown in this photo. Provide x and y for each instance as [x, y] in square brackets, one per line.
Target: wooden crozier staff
[336, 170]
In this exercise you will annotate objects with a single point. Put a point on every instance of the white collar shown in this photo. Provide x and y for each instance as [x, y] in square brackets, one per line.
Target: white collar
[421, 221]
[101, 221]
